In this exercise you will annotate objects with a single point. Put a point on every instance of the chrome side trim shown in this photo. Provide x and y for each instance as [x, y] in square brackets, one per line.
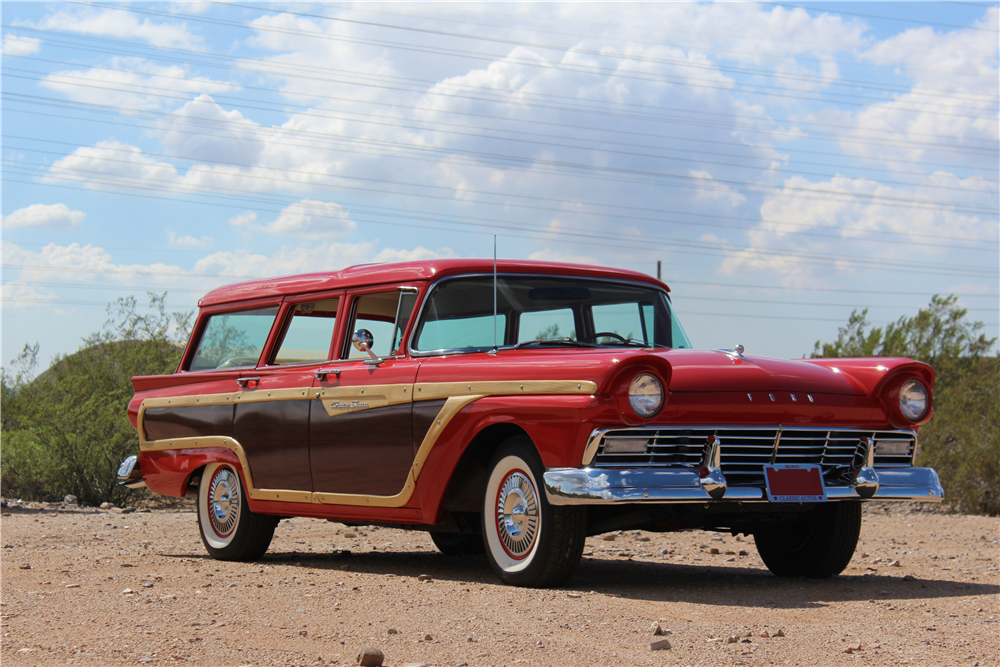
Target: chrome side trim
[604, 486]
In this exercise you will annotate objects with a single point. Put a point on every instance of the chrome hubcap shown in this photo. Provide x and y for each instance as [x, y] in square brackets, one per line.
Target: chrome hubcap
[223, 501]
[517, 514]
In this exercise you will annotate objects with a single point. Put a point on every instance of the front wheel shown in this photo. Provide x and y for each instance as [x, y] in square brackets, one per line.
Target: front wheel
[229, 530]
[820, 545]
[528, 541]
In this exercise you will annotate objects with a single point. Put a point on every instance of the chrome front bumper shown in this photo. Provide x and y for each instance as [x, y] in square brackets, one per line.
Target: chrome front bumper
[608, 486]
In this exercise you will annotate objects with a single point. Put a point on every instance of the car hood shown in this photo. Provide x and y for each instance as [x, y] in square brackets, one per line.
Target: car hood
[714, 371]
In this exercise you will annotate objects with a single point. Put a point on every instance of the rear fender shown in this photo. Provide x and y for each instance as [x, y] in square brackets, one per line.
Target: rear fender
[169, 472]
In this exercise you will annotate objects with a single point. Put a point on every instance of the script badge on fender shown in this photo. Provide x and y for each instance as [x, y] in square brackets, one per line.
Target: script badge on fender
[794, 483]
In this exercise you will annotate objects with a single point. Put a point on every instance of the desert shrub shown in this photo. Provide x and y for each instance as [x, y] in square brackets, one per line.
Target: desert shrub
[962, 440]
[66, 431]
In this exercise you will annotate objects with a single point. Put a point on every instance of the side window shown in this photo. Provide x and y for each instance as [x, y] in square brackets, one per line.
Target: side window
[308, 334]
[542, 324]
[233, 340]
[377, 314]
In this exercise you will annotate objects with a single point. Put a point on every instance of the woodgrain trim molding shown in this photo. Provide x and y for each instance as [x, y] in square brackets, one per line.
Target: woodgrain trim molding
[340, 400]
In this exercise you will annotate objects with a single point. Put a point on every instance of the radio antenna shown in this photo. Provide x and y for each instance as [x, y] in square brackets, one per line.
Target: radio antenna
[494, 350]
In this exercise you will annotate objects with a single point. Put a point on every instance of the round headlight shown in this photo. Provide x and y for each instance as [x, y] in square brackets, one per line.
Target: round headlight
[645, 395]
[913, 399]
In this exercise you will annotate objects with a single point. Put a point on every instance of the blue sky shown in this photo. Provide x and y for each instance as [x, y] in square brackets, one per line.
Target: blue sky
[786, 163]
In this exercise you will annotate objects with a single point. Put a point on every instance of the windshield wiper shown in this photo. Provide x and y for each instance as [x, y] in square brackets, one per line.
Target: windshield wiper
[555, 341]
[632, 342]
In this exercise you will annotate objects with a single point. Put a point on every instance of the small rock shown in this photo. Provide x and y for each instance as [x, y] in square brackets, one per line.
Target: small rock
[70, 500]
[106, 506]
[128, 510]
[573, 595]
[895, 563]
[764, 633]
[779, 633]
[658, 630]
[24, 566]
[425, 577]
[72, 586]
[714, 551]
[660, 645]
[610, 537]
[428, 638]
[147, 584]
[732, 640]
[642, 539]
[350, 534]
[742, 553]
[392, 631]
[128, 591]
[731, 559]
[370, 657]
[303, 633]
[852, 648]
[909, 577]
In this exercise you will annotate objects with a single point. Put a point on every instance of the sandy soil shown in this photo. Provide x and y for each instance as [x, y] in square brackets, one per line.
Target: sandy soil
[89, 587]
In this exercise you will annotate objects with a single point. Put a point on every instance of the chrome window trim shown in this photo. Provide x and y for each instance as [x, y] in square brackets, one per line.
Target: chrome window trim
[478, 350]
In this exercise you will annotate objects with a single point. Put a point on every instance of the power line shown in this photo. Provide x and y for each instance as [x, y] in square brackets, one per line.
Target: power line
[807, 231]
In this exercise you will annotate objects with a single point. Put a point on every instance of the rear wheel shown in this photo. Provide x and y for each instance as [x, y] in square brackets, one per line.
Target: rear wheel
[456, 544]
[229, 530]
[819, 545]
[528, 541]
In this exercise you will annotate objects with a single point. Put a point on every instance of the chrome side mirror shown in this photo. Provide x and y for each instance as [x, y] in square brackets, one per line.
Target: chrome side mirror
[363, 341]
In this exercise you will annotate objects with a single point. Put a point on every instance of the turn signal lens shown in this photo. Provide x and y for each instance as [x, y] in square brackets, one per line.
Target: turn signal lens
[645, 395]
[913, 399]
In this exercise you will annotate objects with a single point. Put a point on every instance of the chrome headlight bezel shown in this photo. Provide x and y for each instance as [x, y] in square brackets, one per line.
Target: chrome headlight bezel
[645, 395]
[914, 400]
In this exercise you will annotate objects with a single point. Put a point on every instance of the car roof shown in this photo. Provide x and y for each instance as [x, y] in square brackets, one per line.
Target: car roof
[374, 274]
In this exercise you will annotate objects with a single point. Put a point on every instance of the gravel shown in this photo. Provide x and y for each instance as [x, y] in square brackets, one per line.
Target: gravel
[85, 586]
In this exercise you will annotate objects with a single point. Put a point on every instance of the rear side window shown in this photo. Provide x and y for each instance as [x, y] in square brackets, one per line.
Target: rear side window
[309, 333]
[233, 340]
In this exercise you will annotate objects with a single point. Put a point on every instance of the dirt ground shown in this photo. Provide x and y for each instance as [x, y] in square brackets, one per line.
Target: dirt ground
[92, 587]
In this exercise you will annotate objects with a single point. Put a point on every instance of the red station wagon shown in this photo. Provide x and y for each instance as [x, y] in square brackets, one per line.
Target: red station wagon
[514, 409]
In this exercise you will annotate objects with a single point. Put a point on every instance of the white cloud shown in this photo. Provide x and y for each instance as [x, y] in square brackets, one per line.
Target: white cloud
[952, 100]
[188, 241]
[118, 167]
[17, 45]
[123, 24]
[804, 227]
[20, 296]
[131, 83]
[50, 216]
[202, 130]
[309, 218]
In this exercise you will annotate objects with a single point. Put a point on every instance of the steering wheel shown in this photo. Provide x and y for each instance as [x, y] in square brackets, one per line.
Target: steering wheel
[609, 334]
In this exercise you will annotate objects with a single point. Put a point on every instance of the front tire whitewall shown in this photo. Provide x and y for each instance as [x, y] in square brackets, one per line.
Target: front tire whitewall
[528, 541]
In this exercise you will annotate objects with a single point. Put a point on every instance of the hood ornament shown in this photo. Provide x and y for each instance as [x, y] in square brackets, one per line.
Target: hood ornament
[735, 353]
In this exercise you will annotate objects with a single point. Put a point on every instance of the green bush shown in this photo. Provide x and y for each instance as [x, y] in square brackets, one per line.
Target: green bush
[962, 440]
[66, 431]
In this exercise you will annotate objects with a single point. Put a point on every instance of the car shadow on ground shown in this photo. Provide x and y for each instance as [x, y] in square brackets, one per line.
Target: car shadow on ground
[649, 581]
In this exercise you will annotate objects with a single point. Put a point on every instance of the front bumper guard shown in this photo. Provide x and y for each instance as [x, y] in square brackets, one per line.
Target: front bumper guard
[610, 486]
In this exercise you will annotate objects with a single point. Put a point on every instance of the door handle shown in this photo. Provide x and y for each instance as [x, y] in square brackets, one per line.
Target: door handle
[243, 382]
[323, 372]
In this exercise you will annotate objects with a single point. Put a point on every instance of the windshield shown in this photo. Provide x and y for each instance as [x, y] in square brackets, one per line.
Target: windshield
[543, 310]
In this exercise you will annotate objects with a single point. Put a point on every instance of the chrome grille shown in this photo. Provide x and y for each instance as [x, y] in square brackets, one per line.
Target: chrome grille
[745, 451]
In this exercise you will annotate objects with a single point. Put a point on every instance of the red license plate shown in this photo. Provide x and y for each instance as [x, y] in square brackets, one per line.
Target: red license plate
[793, 483]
